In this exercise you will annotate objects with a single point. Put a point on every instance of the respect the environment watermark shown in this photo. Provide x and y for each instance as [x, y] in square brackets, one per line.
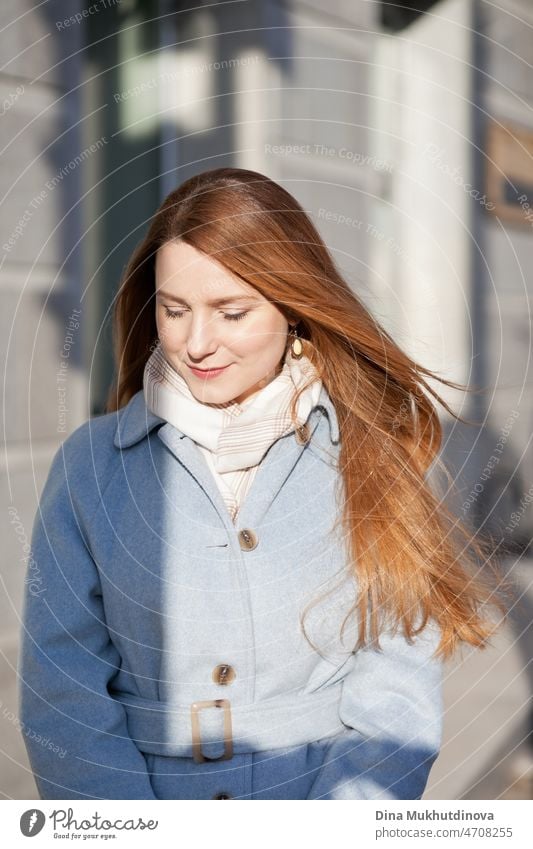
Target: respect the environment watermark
[38, 199]
[184, 73]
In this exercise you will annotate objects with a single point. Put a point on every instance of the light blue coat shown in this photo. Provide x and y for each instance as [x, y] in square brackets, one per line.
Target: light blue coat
[141, 585]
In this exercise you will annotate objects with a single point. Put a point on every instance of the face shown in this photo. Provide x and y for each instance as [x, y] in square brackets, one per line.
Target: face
[207, 318]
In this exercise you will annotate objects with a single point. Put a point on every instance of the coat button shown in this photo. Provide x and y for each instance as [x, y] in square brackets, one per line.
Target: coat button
[303, 434]
[247, 539]
[223, 674]
[222, 796]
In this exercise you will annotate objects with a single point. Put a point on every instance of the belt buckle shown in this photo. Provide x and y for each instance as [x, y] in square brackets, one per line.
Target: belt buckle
[197, 753]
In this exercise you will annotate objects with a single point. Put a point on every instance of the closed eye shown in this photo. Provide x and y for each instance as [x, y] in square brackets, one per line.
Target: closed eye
[229, 316]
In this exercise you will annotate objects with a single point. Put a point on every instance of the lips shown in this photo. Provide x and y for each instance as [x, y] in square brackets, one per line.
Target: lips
[205, 370]
[214, 368]
[206, 374]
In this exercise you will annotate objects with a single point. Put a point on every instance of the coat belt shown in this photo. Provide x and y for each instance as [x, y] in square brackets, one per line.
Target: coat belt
[216, 729]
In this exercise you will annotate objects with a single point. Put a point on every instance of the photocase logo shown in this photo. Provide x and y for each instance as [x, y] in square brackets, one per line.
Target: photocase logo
[31, 822]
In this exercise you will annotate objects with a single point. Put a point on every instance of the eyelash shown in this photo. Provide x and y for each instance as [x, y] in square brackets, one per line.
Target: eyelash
[228, 316]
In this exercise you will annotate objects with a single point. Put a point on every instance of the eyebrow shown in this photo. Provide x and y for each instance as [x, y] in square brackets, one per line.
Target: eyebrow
[213, 303]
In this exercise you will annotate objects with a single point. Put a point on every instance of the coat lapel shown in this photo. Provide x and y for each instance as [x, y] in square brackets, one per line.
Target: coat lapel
[135, 421]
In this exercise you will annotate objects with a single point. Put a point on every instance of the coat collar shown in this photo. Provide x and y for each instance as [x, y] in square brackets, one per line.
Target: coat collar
[135, 421]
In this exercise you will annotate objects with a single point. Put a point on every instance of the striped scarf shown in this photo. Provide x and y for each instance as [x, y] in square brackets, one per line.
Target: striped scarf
[232, 437]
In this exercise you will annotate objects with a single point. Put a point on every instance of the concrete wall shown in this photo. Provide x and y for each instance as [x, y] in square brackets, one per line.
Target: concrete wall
[40, 279]
[318, 99]
[508, 255]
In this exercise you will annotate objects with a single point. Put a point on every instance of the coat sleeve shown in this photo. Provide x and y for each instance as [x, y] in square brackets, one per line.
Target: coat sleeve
[76, 735]
[391, 704]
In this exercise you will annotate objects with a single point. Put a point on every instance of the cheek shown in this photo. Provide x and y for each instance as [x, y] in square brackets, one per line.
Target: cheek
[251, 341]
[169, 335]
[262, 335]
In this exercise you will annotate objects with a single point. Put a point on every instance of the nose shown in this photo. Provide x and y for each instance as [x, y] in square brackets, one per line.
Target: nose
[201, 340]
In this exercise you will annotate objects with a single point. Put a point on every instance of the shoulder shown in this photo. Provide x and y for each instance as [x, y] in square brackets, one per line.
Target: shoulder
[103, 436]
[92, 441]
[88, 458]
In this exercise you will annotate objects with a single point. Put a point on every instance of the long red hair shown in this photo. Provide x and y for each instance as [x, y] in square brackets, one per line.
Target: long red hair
[413, 559]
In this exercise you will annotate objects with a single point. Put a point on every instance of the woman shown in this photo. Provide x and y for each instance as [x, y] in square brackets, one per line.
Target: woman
[248, 587]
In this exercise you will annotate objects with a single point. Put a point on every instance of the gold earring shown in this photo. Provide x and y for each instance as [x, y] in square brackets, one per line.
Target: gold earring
[297, 349]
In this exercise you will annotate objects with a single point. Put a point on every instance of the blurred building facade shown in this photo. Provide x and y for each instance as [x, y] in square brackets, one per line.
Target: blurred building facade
[376, 117]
